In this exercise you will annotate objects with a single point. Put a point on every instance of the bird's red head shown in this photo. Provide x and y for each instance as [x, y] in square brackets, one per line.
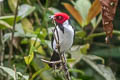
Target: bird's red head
[61, 17]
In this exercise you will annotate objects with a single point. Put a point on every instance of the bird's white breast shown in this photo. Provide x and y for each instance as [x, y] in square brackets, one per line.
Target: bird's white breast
[65, 39]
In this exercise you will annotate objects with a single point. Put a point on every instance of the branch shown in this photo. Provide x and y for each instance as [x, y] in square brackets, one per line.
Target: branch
[11, 43]
[2, 44]
[51, 62]
[101, 34]
[15, 72]
[62, 57]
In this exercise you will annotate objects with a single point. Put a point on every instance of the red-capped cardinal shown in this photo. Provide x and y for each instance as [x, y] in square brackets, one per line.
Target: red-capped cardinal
[66, 35]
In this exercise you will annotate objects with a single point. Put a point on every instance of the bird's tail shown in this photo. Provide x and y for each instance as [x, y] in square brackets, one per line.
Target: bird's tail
[55, 57]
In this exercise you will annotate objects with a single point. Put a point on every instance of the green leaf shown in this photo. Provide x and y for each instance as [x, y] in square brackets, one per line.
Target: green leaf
[12, 4]
[29, 58]
[75, 78]
[70, 60]
[12, 73]
[74, 13]
[9, 71]
[93, 12]
[38, 65]
[19, 33]
[113, 52]
[98, 20]
[83, 7]
[19, 28]
[94, 57]
[42, 34]
[48, 42]
[37, 45]
[4, 25]
[53, 10]
[106, 72]
[77, 51]
[27, 25]
[80, 34]
[25, 10]
[84, 48]
[77, 70]
[38, 72]
[9, 19]
[26, 77]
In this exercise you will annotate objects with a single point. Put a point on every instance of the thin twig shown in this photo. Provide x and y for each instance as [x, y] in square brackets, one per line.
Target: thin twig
[51, 62]
[2, 48]
[63, 59]
[15, 72]
[11, 43]
[64, 65]
[54, 35]
[41, 6]
[2, 45]
[1, 8]
[66, 68]
[57, 41]
[30, 71]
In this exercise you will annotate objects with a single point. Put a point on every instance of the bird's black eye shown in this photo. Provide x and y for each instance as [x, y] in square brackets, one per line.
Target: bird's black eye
[59, 17]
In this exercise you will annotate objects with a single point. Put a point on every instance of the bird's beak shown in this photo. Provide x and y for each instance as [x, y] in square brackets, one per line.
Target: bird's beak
[51, 17]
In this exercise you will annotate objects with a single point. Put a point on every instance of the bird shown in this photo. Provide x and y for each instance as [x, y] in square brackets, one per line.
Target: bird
[64, 33]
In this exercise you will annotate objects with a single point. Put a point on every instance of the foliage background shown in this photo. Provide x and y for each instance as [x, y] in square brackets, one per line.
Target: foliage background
[90, 58]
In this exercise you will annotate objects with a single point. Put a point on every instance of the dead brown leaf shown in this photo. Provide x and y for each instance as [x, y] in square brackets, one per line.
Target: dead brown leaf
[108, 13]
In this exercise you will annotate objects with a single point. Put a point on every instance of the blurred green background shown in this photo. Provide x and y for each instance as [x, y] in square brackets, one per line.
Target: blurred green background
[90, 58]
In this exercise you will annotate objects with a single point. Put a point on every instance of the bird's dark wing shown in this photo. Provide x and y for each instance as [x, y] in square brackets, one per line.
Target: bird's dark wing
[74, 35]
[55, 57]
[73, 28]
[61, 27]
